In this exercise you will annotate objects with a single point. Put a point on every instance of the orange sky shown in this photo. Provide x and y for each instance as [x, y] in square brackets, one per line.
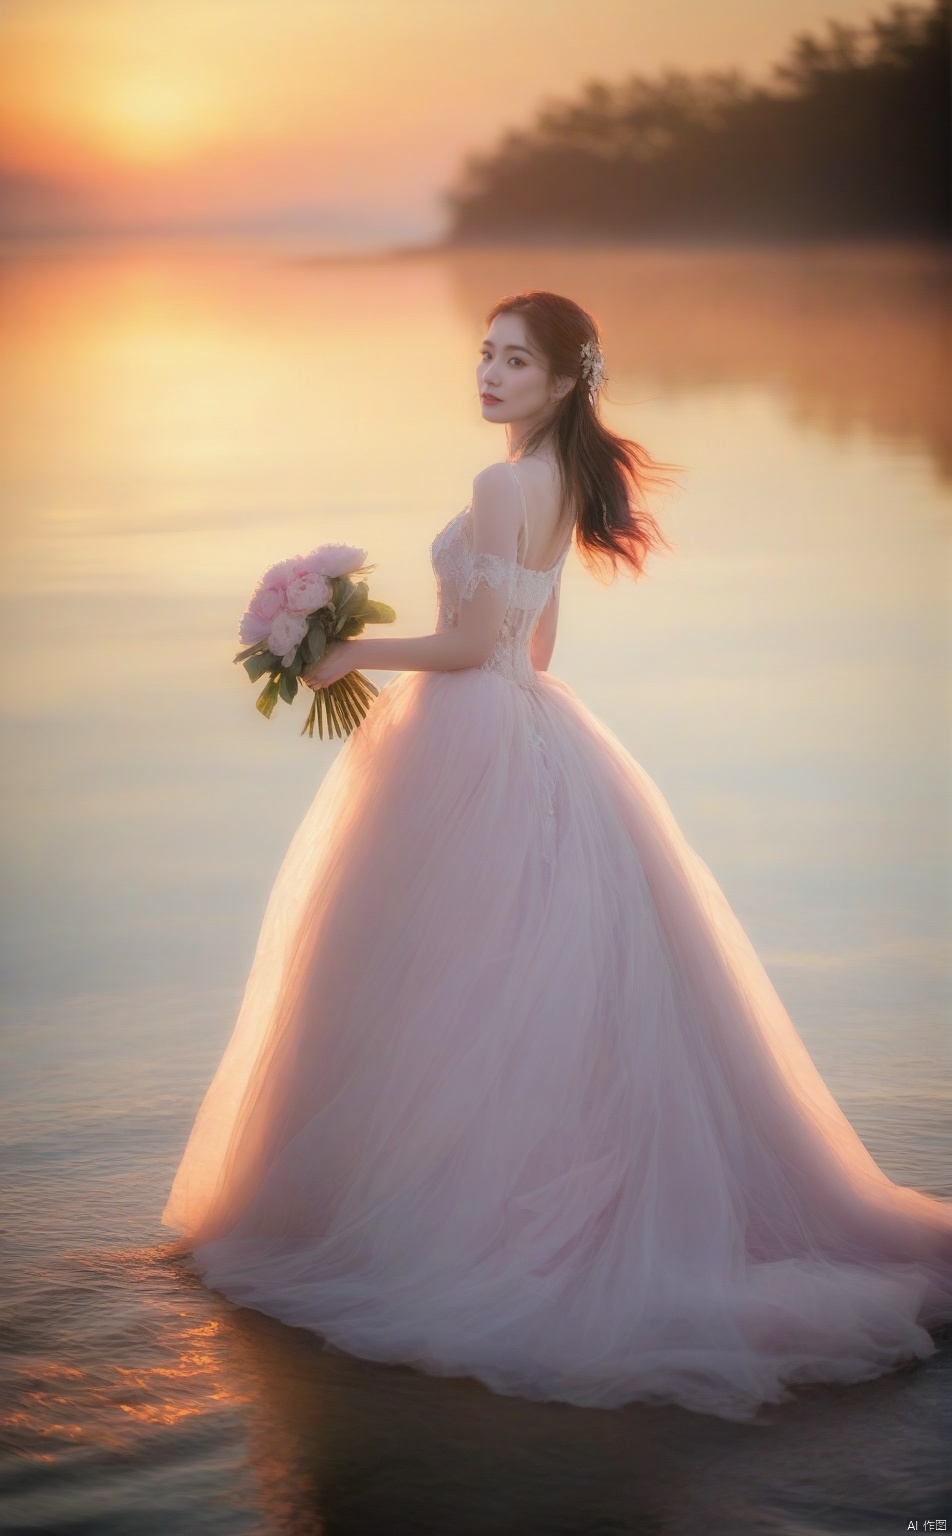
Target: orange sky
[347, 116]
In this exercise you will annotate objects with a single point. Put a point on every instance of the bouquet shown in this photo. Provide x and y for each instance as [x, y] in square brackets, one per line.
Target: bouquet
[297, 607]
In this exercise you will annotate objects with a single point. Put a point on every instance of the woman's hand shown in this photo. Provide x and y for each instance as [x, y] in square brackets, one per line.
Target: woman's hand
[332, 666]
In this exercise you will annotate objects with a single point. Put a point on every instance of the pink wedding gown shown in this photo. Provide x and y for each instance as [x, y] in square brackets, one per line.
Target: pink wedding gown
[511, 1096]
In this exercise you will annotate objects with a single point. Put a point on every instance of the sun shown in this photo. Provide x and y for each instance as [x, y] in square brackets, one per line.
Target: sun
[140, 85]
[147, 120]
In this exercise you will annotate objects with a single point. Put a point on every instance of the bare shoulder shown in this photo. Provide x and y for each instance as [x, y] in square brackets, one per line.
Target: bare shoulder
[495, 486]
[540, 478]
[497, 504]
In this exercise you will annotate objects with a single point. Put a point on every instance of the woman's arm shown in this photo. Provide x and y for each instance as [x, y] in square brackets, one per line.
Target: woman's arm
[543, 636]
[497, 517]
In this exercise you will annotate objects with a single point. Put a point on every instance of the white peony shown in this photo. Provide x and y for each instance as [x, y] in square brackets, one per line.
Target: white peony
[287, 632]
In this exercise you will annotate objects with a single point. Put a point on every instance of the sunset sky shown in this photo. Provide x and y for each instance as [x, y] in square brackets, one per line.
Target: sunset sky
[339, 118]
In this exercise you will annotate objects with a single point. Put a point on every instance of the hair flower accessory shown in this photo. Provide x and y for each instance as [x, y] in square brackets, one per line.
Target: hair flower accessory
[593, 367]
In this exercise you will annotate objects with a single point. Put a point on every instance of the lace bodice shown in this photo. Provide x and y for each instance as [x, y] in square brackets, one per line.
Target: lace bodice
[459, 571]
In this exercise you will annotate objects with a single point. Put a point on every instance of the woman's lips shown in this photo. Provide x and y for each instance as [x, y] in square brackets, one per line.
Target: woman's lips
[491, 399]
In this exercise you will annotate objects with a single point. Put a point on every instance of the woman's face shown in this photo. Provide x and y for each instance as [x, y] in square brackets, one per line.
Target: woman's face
[513, 377]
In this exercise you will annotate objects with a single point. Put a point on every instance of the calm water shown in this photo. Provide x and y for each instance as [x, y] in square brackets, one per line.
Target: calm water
[171, 423]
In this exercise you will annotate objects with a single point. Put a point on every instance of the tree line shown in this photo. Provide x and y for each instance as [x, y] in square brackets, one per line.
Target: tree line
[849, 139]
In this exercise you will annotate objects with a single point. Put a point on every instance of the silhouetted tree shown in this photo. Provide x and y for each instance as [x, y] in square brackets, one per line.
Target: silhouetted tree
[851, 139]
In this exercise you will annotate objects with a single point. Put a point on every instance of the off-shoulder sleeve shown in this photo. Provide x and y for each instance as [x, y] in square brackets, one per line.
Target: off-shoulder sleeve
[481, 566]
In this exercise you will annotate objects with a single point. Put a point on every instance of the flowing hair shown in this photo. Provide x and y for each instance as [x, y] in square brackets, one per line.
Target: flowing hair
[603, 476]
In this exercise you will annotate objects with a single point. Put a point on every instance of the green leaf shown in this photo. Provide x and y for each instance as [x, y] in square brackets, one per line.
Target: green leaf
[257, 649]
[373, 612]
[350, 601]
[287, 686]
[314, 645]
[268, 698]
[256, 665]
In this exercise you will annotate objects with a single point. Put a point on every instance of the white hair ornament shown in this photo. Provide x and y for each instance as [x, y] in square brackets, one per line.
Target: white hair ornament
[592, 360]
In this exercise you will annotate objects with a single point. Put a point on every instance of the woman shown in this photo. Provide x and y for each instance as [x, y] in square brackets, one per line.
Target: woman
[510, 1094]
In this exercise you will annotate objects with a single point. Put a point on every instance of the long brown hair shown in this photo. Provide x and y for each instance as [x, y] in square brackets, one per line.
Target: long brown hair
[604, 477]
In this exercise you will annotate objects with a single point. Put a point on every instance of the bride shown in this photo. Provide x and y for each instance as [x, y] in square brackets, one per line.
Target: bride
[509, 1094]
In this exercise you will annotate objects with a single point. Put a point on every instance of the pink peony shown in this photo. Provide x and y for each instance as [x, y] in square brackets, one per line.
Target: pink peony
[252, 628]
[332, 560]
[278, 576]
[267, 601]
[265, 604]
[286, 634]
[307, 593]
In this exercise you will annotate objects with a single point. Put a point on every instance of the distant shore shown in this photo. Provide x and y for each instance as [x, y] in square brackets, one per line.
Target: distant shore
[298, 250]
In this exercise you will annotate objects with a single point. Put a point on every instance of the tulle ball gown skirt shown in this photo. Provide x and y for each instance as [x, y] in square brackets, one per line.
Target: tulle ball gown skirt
[511, 1096]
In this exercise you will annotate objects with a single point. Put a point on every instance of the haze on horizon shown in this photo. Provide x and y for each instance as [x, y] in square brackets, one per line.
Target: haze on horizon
[340, 120]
